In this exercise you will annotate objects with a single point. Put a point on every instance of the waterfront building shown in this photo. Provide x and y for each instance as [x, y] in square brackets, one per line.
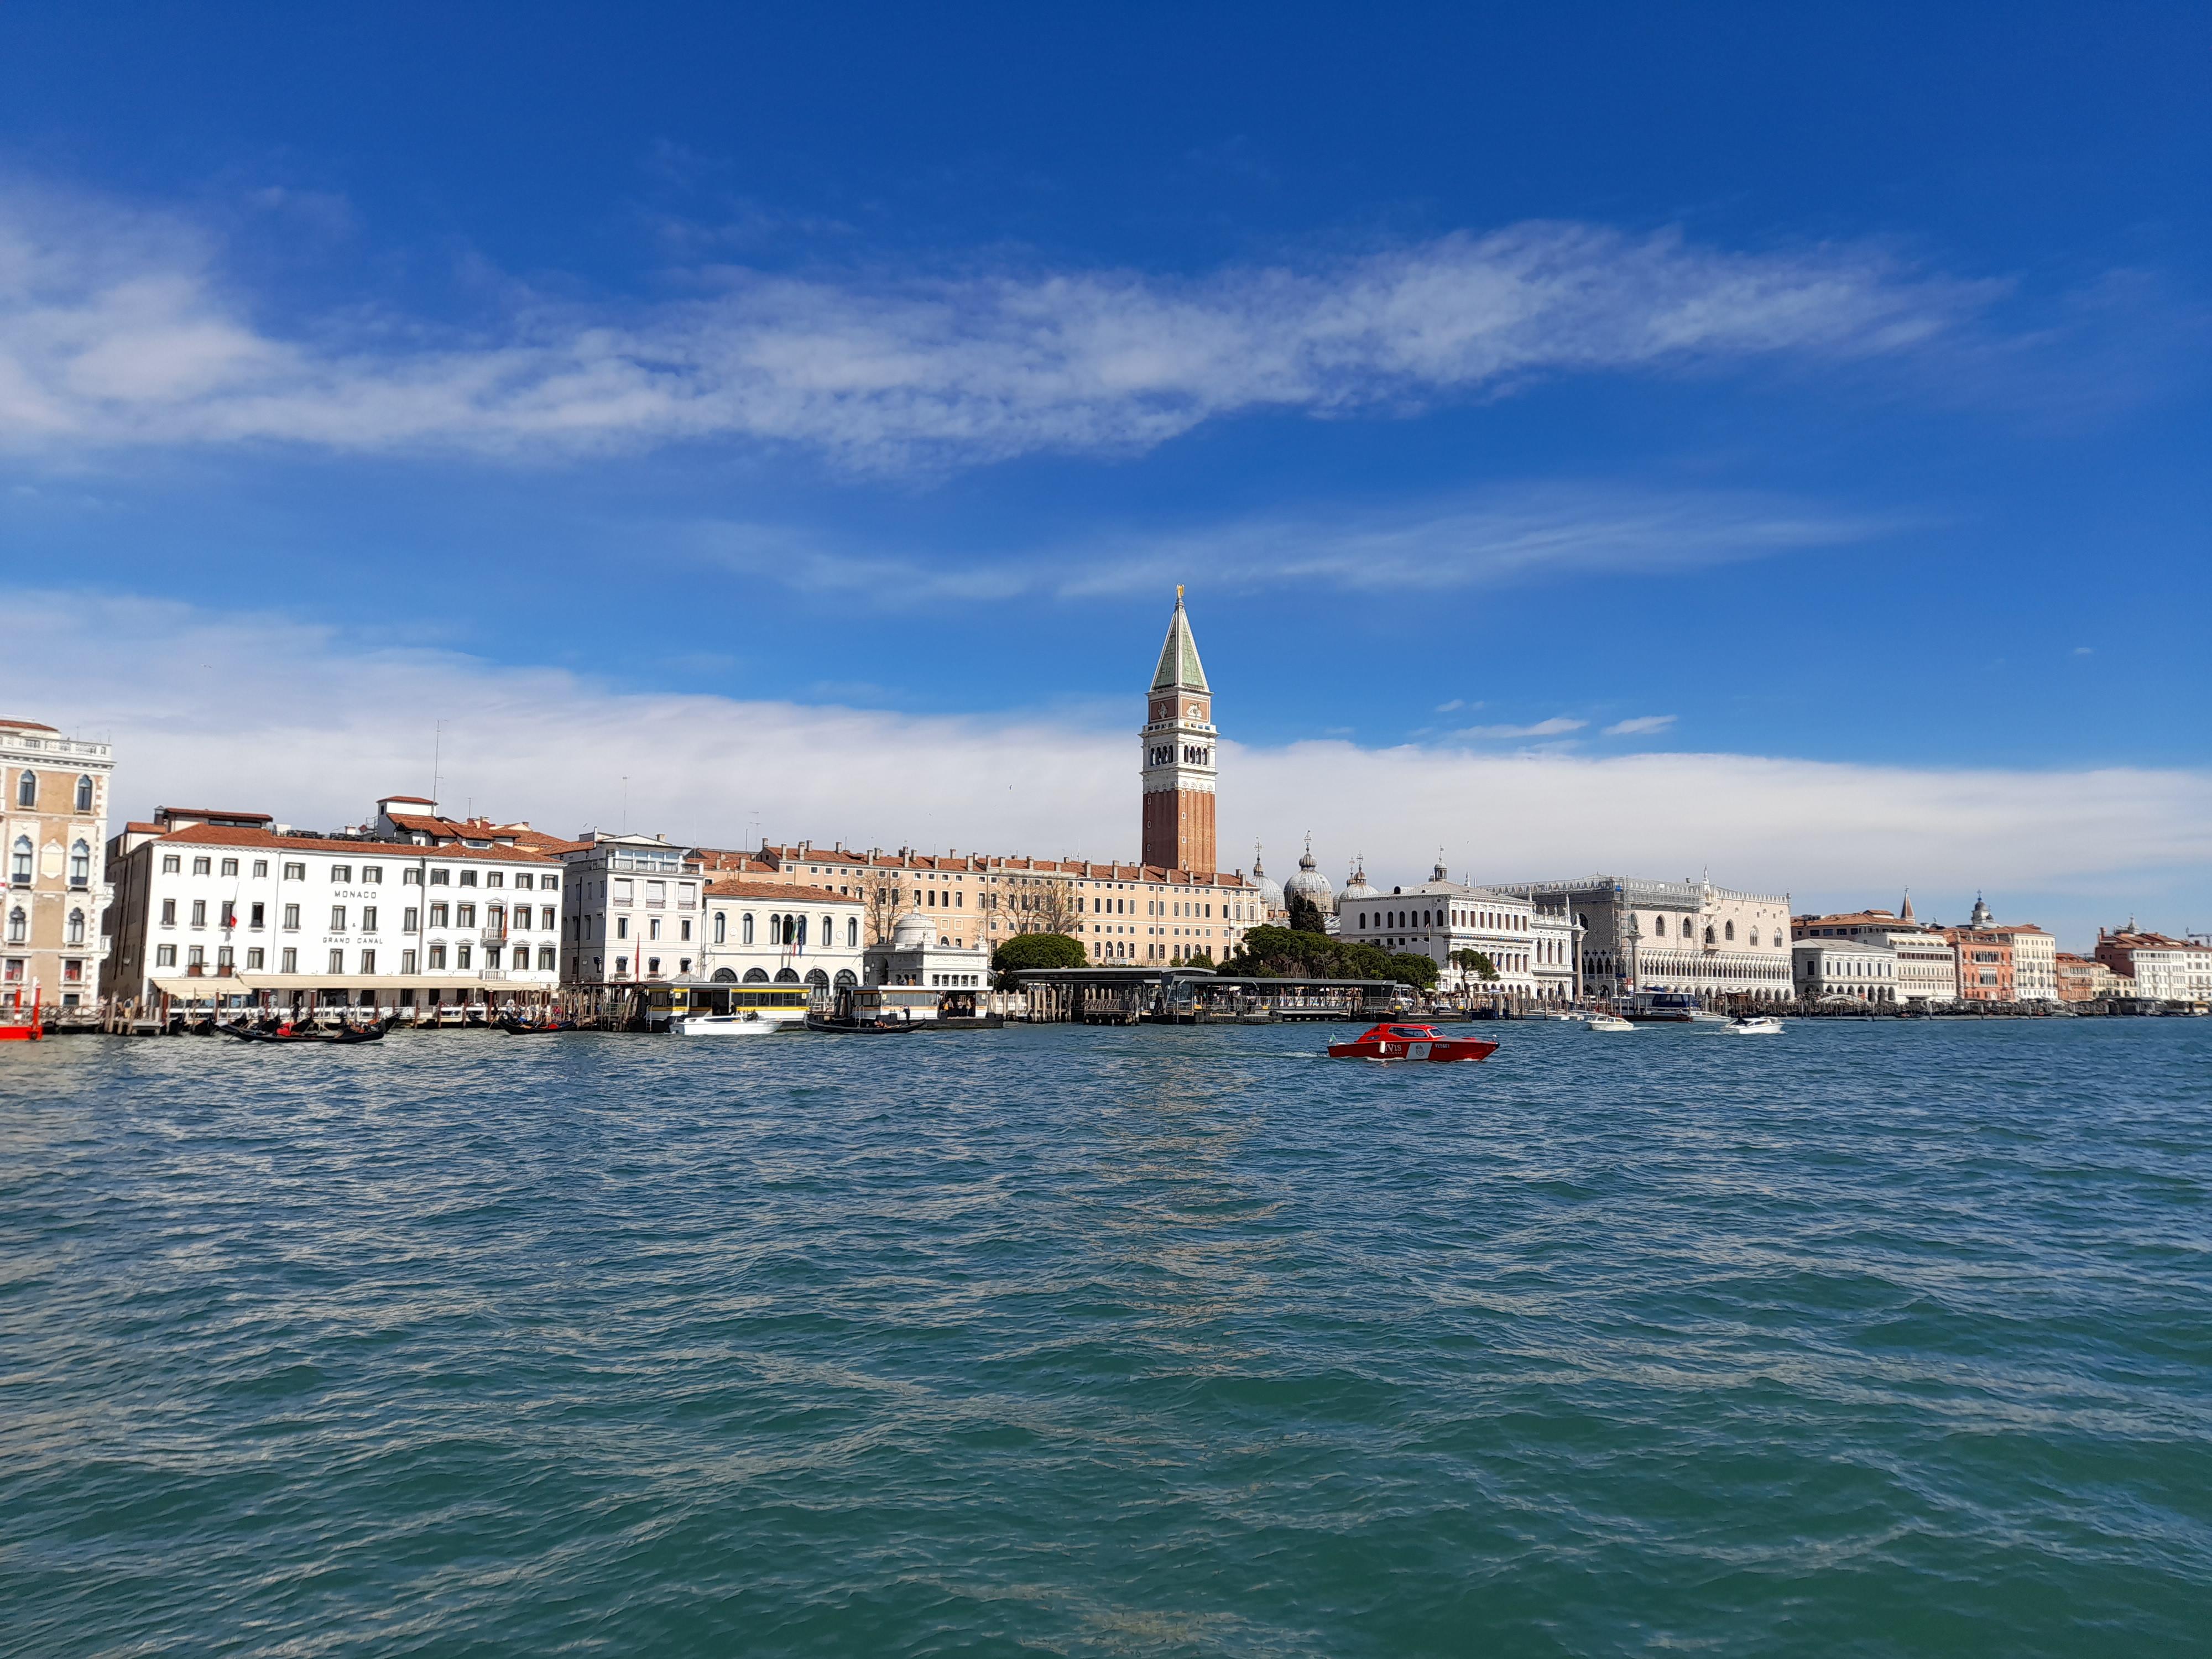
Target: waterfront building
[53, 820]
[761, 930]
[916, 955]
[2085, 978]
[1179, 742]
[416, 819]
[632, 911]
[2160, 966]
[1532, 945]
[1859, 970]
[1985, 964]
[1685, 936]
[1927, 961]
[231, 906]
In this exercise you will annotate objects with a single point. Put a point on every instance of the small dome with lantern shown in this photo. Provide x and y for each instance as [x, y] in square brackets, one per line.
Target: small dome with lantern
[913, 931]
[1271, 890]
[1311, 885]
[1357, 888]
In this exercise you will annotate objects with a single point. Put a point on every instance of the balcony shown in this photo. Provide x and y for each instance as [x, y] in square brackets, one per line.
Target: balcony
[493, 936]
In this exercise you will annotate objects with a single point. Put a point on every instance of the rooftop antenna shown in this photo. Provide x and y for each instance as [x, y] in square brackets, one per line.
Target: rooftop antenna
[625, 813]
[437, 757]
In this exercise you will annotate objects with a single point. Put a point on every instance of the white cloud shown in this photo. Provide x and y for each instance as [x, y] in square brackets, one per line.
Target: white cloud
[262, 712]
[1455, 704]
[119, 328]
[1641, 724]
[1555, 726]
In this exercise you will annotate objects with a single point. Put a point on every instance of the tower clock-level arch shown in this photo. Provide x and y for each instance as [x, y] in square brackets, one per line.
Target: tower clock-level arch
[1179, 742]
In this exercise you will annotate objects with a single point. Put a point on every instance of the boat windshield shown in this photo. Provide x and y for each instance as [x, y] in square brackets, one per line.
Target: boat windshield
[1414, 1032]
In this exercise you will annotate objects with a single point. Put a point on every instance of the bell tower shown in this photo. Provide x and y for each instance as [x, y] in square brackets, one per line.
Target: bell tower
[1179, 741]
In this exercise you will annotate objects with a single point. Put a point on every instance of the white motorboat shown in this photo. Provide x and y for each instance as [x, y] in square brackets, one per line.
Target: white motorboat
[745, 1024]
[1606, 1023]
[1758, 1025]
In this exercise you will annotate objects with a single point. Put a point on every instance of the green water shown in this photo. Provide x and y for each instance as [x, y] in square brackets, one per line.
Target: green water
[1862, 1340]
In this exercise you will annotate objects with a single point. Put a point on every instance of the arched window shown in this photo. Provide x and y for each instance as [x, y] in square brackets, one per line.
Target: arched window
[745, 928]
[19, 866]
[1659, 927]
[798, 924]
[756, 975]
[852, 933]
[787, 976]
[76, 928]
[1709, 933]
[725, 976]
[84, 795]
[721, 927]
[19, 925]
[1731, 931]
[1754, 936]
[26, 788]
[828, 934]
[845, 977]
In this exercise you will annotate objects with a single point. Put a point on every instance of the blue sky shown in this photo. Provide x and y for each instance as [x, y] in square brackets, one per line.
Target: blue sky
[1689, 389]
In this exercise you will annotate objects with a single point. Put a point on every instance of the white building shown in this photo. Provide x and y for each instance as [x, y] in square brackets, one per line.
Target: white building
[231, 906]
[2167, 969]
[1927, 962]
[1862, 969]
[917, 955]
[632, 912]
[1678, 936]
[760, 931]
[1532, 947]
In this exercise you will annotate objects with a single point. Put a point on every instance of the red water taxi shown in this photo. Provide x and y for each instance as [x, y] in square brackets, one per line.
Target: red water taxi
[1411, 1042]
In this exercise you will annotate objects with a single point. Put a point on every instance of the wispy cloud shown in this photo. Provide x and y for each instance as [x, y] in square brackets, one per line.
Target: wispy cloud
[1637, 726]
[119, 328]
[263, 711]
[1507, 533]
[1453, 707]
[1558, 726]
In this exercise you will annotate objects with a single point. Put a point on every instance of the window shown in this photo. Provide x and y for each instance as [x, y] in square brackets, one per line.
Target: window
[337, 962]
[494, 878]
[621, 894]
[170, 864]
[441, 878]
[468, 878]
[230, 866]
[19, 868]
[652, 928]
[622, 927]
[656, 894]
[411, 921]
[546, 958]
[852, 932]
[288, 963]
[260, 869]
[368, 918]
[465, 915]
[1731, 930]
[526, 881]
[201, 866]
[684, 931]
[461, 956]
[368, 961]
[747, 929]
[295, 872]
[410, 878]
[550, 883]
[545, 917]
[199, 913]
[406, 962]
[26, 788]
[653, 967]
[75, 934]
[337, 918]
[80, 865]
[255, 958]
[291, 918]
[196, 956]
[721, 927]
[437, 958]
[622, 966]
[230, 913]
[84, 795]
[440, 915]
[341, 874]
[371, 874]
[165, 955]
[169, 912]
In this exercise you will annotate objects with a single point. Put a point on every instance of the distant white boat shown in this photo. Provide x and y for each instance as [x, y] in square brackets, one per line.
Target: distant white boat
[746, 1024]
[1762, 1026]
[1607, 1023]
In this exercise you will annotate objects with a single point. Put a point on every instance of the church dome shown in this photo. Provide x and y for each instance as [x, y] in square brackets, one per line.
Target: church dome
[1271, 890]
[913, 931]
[1311, 885]
[1357, 889]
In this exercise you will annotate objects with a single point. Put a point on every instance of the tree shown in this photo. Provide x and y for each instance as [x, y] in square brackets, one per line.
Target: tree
[1039, 951]
[1306, 916]
[1411, 967]
[1475, 962]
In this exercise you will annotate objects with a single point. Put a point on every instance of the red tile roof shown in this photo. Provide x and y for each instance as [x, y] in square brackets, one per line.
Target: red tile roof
[776, 892]
[409, 800]
[26, 725]
[215, 812]
[219, 835]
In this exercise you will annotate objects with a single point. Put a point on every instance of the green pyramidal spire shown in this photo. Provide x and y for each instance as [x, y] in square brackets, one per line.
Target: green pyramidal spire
[1180, 668]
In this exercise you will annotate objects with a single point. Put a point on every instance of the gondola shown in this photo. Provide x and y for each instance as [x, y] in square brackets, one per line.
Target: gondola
[524, 1028]
[345, 1034]
[864, 1027]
